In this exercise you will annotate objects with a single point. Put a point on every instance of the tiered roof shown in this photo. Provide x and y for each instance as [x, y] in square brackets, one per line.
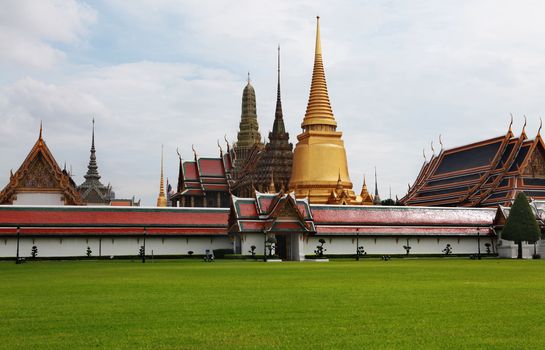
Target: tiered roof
[272, 213]
[202, 174]
[485, 173]
[41, 173]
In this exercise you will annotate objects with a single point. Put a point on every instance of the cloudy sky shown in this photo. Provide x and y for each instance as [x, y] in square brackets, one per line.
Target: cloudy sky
[171, 72]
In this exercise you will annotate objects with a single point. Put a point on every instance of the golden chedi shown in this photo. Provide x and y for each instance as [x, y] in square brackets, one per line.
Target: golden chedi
[319, 162]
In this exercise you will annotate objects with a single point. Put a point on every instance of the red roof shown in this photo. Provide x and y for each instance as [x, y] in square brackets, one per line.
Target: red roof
[181, 220]
[401, 216]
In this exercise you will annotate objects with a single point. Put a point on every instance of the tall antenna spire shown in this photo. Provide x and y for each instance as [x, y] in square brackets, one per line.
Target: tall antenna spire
[92, 169]
[319, 110]
[162, 199]
[278, 126]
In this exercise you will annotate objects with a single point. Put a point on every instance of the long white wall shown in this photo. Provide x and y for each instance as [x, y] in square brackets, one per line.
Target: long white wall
[392, 245]
[110, 246]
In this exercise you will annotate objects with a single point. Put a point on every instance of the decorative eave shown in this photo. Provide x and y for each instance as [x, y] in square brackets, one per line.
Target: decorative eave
[64, 182]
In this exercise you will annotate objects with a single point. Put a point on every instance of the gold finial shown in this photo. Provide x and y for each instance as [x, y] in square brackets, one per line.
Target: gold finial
[162, 199]
[318, 48]
[511, 122]
[248, 78]
[319, 110]
[540, 125]
[40, 136]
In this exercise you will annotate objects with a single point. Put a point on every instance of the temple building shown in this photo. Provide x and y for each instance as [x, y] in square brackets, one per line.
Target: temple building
[487, 173]
[92, 190]
[40, 181]
[269, 168]
[204, 182]
[320, 167]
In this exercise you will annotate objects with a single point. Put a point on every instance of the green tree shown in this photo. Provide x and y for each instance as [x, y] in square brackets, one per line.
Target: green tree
[521, 224]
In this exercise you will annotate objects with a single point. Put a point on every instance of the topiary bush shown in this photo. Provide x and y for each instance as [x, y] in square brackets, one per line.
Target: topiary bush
[521, 224]
[320, 248]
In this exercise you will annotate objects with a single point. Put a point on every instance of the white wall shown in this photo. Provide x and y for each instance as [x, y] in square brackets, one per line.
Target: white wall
[116, 246]
[392, 245]
[36, 198]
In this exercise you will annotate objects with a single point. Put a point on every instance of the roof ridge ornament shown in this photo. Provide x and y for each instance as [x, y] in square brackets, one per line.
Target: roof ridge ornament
[524, 126]
[540, 125]
[441, 142]
[40, 136]
[194, 152]
[432, 149]
[511, 123]
[424, 154]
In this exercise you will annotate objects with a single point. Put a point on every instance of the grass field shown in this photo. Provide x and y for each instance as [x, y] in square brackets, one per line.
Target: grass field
[412, 304]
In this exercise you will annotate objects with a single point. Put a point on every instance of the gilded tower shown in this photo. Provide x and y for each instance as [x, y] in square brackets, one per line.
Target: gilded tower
[319, 162]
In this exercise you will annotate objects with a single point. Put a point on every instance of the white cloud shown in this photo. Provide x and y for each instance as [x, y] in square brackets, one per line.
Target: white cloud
[399, 73]
[30, 29]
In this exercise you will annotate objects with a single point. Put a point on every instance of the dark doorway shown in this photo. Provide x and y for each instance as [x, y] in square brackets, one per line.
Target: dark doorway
[281, 247]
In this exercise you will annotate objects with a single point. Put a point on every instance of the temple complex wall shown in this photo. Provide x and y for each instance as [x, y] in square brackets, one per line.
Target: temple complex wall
[110, 246]
[391, 245]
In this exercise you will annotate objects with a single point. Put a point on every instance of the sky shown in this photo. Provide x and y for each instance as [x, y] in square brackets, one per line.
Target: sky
[152, 72]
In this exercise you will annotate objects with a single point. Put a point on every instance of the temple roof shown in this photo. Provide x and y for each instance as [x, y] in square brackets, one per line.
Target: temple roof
[268, 212]
[40, 172]
[484, 173]
[205, 174]
[71, 220]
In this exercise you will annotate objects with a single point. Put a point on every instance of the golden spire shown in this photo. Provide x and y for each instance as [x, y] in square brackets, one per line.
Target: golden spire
[162, 199]
[319, 110]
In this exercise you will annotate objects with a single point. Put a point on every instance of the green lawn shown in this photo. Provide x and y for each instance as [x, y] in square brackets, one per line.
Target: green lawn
[371, 304]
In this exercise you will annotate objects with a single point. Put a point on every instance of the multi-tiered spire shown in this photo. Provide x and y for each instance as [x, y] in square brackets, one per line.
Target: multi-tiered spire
[276, 160]
[319, 161]
[92, 190]
[319, 111]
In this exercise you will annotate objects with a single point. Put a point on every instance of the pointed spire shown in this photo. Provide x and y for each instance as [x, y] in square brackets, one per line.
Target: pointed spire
[248, 78]
[376, 198]
[319, 110]
[92, 169]
[40, 136]
[278, 126]
[162, 199]
[540, 125]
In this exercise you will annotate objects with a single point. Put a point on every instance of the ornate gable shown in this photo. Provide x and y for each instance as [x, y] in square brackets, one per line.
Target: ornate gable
[40, 173]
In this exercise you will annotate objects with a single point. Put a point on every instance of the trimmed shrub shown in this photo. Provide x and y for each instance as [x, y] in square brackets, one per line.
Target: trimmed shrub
[521, 224]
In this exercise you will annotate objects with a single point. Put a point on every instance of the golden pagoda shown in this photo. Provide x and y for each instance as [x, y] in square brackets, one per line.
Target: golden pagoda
[161, 199]
[319, 162]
